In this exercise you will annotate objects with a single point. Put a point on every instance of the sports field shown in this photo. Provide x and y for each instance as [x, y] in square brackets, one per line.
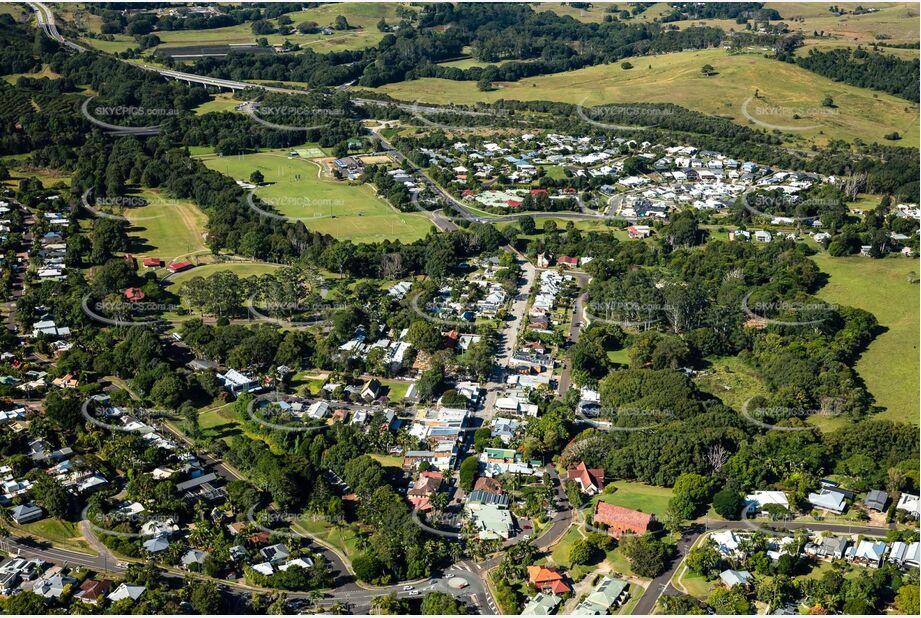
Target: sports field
[166, 228]
[299, 189]
[785, 90]
[890, 365]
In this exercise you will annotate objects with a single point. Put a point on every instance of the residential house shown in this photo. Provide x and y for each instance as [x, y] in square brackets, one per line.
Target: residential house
[479, 498]
[726, 542]
[620, 520]
[828, 548]
[731, 578]
[910, 504]
[192, 558]
[867, 553]
[610, 592]
[541, 605]
[25, 513]
[639, 231]
[275, 553]
[547, 580]
[589, 480]
[876, 500]
[51, 586]
[829, 500]
[371, 390]
[126, 591]
[488, 485]
[91, 590]
[757, 501]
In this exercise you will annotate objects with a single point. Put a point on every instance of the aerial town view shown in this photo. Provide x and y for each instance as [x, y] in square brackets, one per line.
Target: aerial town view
[456, 308]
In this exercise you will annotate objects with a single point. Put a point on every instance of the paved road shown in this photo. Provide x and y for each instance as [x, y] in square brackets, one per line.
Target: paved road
[575, 329]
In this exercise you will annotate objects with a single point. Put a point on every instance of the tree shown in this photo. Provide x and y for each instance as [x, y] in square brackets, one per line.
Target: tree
[382, 25]
[906, 599]
[728, 503]
[205, 598]
[442, 604]
[424, 336]
[626, 66]
[704, 560]
[708, 70]
[581, 552]
[484, 84]
[828, 101]
[256, 177]
[341, 23]
[647, 554]
[468, 471]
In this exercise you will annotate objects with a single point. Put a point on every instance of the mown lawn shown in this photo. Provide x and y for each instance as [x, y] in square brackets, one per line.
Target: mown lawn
[298, 189]
[56, 531]
[637, 496]
[166, 228]
[890, 366]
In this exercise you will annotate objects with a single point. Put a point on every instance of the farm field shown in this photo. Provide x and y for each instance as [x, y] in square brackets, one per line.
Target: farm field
[889, 366]
[363, 17]
[165, 228]
[300, 189]
[45, 72]
[675, 78]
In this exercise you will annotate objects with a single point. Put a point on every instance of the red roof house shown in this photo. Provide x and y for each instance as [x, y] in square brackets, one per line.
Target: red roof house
[590, 480]
[620, 520]
[567, 260]
[152, 262]
[544, 579]
[177, 267]
[489, 485]
[513, 203]
[134, 294]
[538, 192]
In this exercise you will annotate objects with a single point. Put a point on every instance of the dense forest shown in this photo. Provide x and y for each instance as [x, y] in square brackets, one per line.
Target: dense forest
[866, 69]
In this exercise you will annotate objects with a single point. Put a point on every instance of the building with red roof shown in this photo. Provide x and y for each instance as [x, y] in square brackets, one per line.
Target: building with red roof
[620, 520]
[590, 480]
[152, 262]
[178, 267]
[567, 260]
[514, 203]
[547, 579]
[134, 294]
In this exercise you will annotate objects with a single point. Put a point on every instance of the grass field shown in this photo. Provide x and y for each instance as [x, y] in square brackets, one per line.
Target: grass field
[890, 365]
[299, 189]
[48, 177]
[785, 90]
[223, 102]
[898, 20]
[242, 269]
[343, 538]
[638, 496]
[362, 17]
[59, 533]
[45, 72]
[166, 228]
[731, 380]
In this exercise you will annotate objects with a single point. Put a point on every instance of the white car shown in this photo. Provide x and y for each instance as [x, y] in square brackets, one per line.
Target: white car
[413, 593]
[405, 588]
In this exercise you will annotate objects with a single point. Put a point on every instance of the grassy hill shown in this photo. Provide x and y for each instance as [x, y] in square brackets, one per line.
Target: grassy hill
[676, 78]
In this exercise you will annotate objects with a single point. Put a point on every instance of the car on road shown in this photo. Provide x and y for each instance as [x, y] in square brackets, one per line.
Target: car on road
[413, 593]
[405, 588]
[526, 526]
[527, 537]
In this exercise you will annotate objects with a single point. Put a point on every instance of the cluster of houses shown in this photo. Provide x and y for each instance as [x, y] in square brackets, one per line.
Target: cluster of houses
[867, 552]
[394, 350]
[52, 581]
